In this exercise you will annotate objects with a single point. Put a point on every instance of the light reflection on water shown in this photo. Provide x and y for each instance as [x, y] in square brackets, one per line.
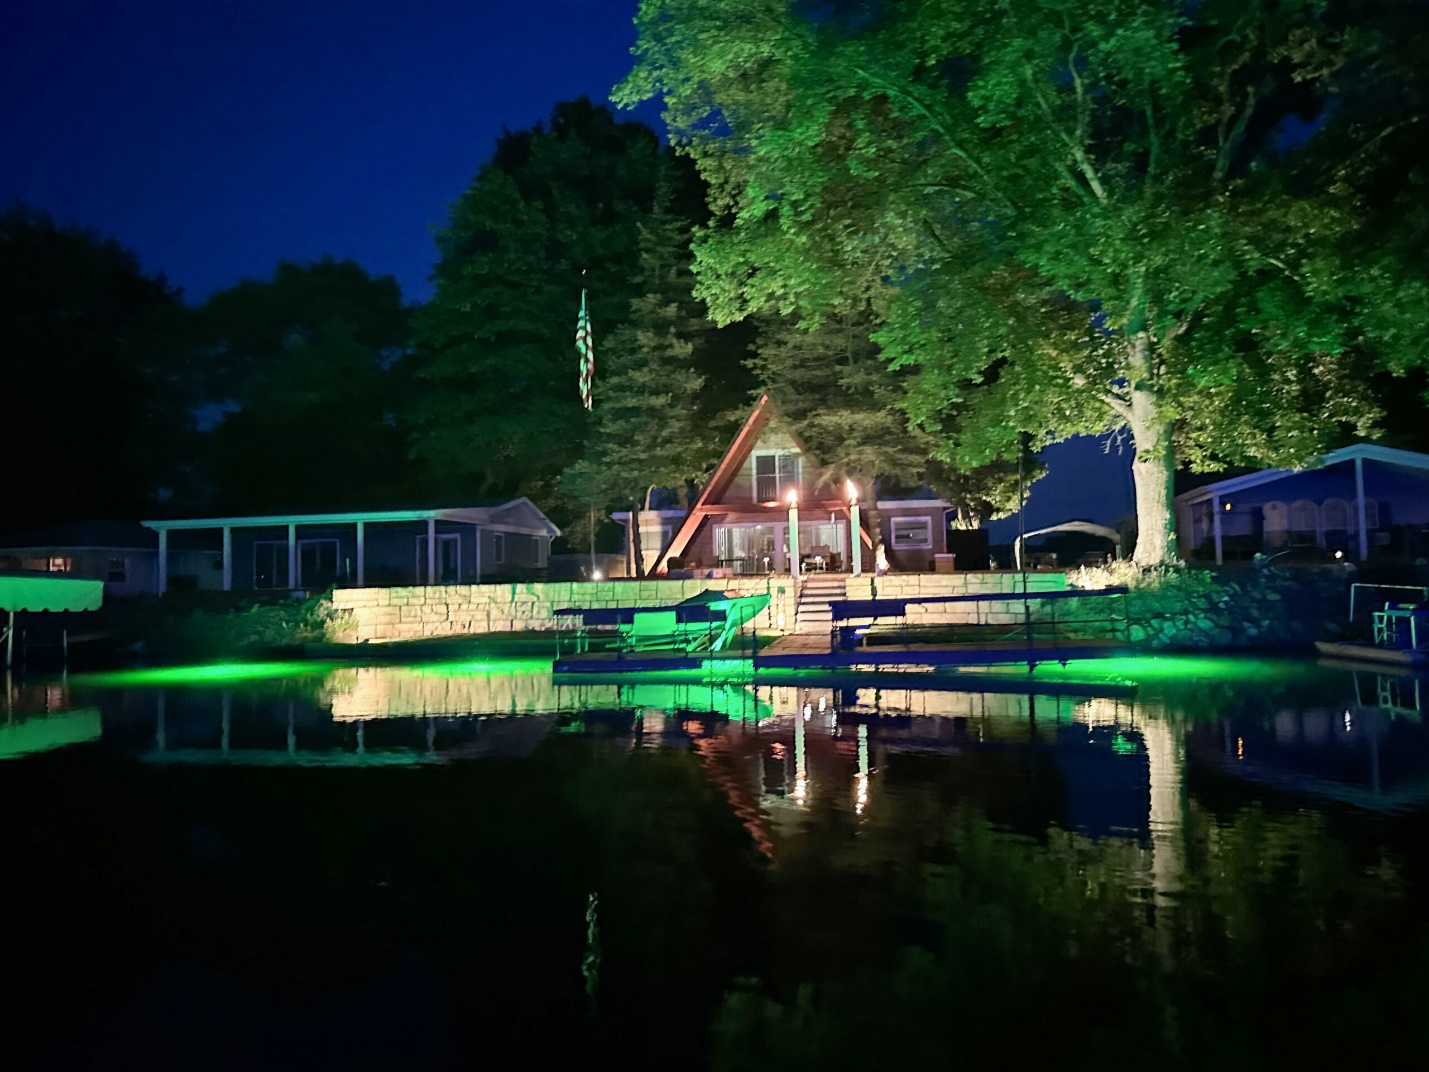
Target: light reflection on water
[1189, 828]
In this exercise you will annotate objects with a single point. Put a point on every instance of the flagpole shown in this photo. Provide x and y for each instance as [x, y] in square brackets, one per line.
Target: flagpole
[592, 542]
[586, 348]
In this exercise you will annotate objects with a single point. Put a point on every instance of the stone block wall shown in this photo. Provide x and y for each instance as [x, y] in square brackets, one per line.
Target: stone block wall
[383, 614]
[916, 585]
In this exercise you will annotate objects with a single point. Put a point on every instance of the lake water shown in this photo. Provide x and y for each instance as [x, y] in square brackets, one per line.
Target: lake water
[1171, 862]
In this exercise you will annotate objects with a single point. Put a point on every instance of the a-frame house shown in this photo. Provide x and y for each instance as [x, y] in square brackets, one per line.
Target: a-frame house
[740, 522]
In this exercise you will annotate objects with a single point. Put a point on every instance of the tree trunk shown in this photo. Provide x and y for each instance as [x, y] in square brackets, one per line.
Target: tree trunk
[637, 547]
[1153, 470]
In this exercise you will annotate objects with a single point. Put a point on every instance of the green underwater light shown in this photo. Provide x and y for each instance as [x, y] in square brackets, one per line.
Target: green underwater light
[218, 674]
[205, 674]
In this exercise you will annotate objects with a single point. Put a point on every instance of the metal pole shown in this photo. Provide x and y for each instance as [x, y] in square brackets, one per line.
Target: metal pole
[592, 541]
[10, 643]
[1216, 527]
[1360, 509]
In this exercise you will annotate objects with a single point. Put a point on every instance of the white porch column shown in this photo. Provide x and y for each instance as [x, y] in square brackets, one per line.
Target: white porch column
[1216, 525]
[855, 543]
[431, 550]
[794, 535]
[163, 584]
[292, 556]
[228, 558]
[361, 553]
[1359, 508]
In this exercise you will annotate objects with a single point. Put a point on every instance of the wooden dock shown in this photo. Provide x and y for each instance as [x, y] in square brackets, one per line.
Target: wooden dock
[811, 652]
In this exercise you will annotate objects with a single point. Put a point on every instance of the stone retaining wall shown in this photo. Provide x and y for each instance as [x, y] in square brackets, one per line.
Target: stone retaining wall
[381, 614]
[915, 585]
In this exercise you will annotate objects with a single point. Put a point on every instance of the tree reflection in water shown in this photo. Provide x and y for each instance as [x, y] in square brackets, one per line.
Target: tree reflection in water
[946, 921]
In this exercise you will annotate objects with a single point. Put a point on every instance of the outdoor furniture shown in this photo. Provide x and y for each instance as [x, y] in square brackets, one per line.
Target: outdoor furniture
[1402, 625]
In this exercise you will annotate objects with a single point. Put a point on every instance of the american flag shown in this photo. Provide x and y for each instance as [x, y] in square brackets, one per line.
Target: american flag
[586, 348]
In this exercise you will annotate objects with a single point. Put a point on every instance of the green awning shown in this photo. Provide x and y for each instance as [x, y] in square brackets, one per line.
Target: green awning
[48, 591]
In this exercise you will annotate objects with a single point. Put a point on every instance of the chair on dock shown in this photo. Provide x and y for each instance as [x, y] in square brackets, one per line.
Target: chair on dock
[1402, 625]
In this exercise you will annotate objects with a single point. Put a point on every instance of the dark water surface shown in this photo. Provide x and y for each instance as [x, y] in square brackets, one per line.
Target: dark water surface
[1183, 863]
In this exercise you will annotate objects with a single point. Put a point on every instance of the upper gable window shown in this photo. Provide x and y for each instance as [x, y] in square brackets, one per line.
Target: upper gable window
[776, 473]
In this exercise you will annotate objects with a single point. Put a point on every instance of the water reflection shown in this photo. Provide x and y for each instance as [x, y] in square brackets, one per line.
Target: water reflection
[1181, 853]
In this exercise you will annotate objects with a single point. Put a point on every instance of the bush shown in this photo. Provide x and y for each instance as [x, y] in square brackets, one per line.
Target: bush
[186, 627]
[1178, 608]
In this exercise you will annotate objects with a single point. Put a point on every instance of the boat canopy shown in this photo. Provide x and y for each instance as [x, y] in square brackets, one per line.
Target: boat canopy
[35, 591]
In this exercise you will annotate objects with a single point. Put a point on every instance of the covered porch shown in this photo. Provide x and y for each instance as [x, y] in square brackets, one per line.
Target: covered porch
[314, 551]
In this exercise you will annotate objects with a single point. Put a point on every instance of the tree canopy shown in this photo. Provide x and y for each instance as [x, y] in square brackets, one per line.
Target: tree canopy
[94, 415]
[1071, 216]
[658, 420]
[308, 372]
[556, 209]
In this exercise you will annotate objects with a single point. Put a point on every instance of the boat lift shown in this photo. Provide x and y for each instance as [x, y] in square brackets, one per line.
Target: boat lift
[705, 623]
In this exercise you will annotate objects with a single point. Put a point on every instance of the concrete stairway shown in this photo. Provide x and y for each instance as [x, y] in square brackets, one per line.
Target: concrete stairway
[812, 613]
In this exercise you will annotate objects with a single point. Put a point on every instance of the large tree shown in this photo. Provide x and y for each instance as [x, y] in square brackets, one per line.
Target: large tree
[94, 415]
[832, 387]
[1073, 216]
[556, 209]
[306, 373]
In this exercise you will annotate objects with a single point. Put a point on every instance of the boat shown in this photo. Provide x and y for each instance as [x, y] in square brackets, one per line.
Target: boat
[1400, 638]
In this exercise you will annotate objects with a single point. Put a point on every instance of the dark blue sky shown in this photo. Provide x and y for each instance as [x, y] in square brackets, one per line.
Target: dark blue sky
[216, 137]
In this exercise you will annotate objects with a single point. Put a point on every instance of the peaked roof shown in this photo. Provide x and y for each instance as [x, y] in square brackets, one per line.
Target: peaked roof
[1368, 452]
[734, 457]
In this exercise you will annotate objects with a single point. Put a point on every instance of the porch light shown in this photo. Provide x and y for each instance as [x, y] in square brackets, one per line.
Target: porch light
[793, 497]
[851, 490]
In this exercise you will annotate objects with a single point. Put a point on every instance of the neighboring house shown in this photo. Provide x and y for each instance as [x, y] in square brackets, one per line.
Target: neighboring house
[740, 521]
[1365, 500]
[122, 554]
[464, 545]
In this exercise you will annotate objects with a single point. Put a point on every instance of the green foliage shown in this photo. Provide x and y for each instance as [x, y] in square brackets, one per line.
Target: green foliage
[1072, 216]
[1176, 608]
[92, 395]
[557, 208]
[832, 387]
[312, 365]
[196, 627]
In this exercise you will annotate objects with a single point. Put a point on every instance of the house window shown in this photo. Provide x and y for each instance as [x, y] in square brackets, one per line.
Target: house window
[317, 563]
[1304, 522]
[1276, 524]
[270, 564]
[1335, 522]
[118, 571]
[498, 547]
[775, 475]
[911, 533]
[59, 564]
[448, 569]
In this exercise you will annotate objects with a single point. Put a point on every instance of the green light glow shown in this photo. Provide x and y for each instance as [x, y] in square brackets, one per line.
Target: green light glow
[231, 673]
[1123, 745]
[208, 674]
[1175, 669]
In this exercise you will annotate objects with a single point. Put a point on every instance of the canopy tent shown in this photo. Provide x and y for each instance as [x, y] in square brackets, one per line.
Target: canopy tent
[1069, 526]
[25, 590]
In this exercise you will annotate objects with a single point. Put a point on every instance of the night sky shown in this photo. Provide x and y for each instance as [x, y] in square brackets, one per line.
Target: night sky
[214, 137]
